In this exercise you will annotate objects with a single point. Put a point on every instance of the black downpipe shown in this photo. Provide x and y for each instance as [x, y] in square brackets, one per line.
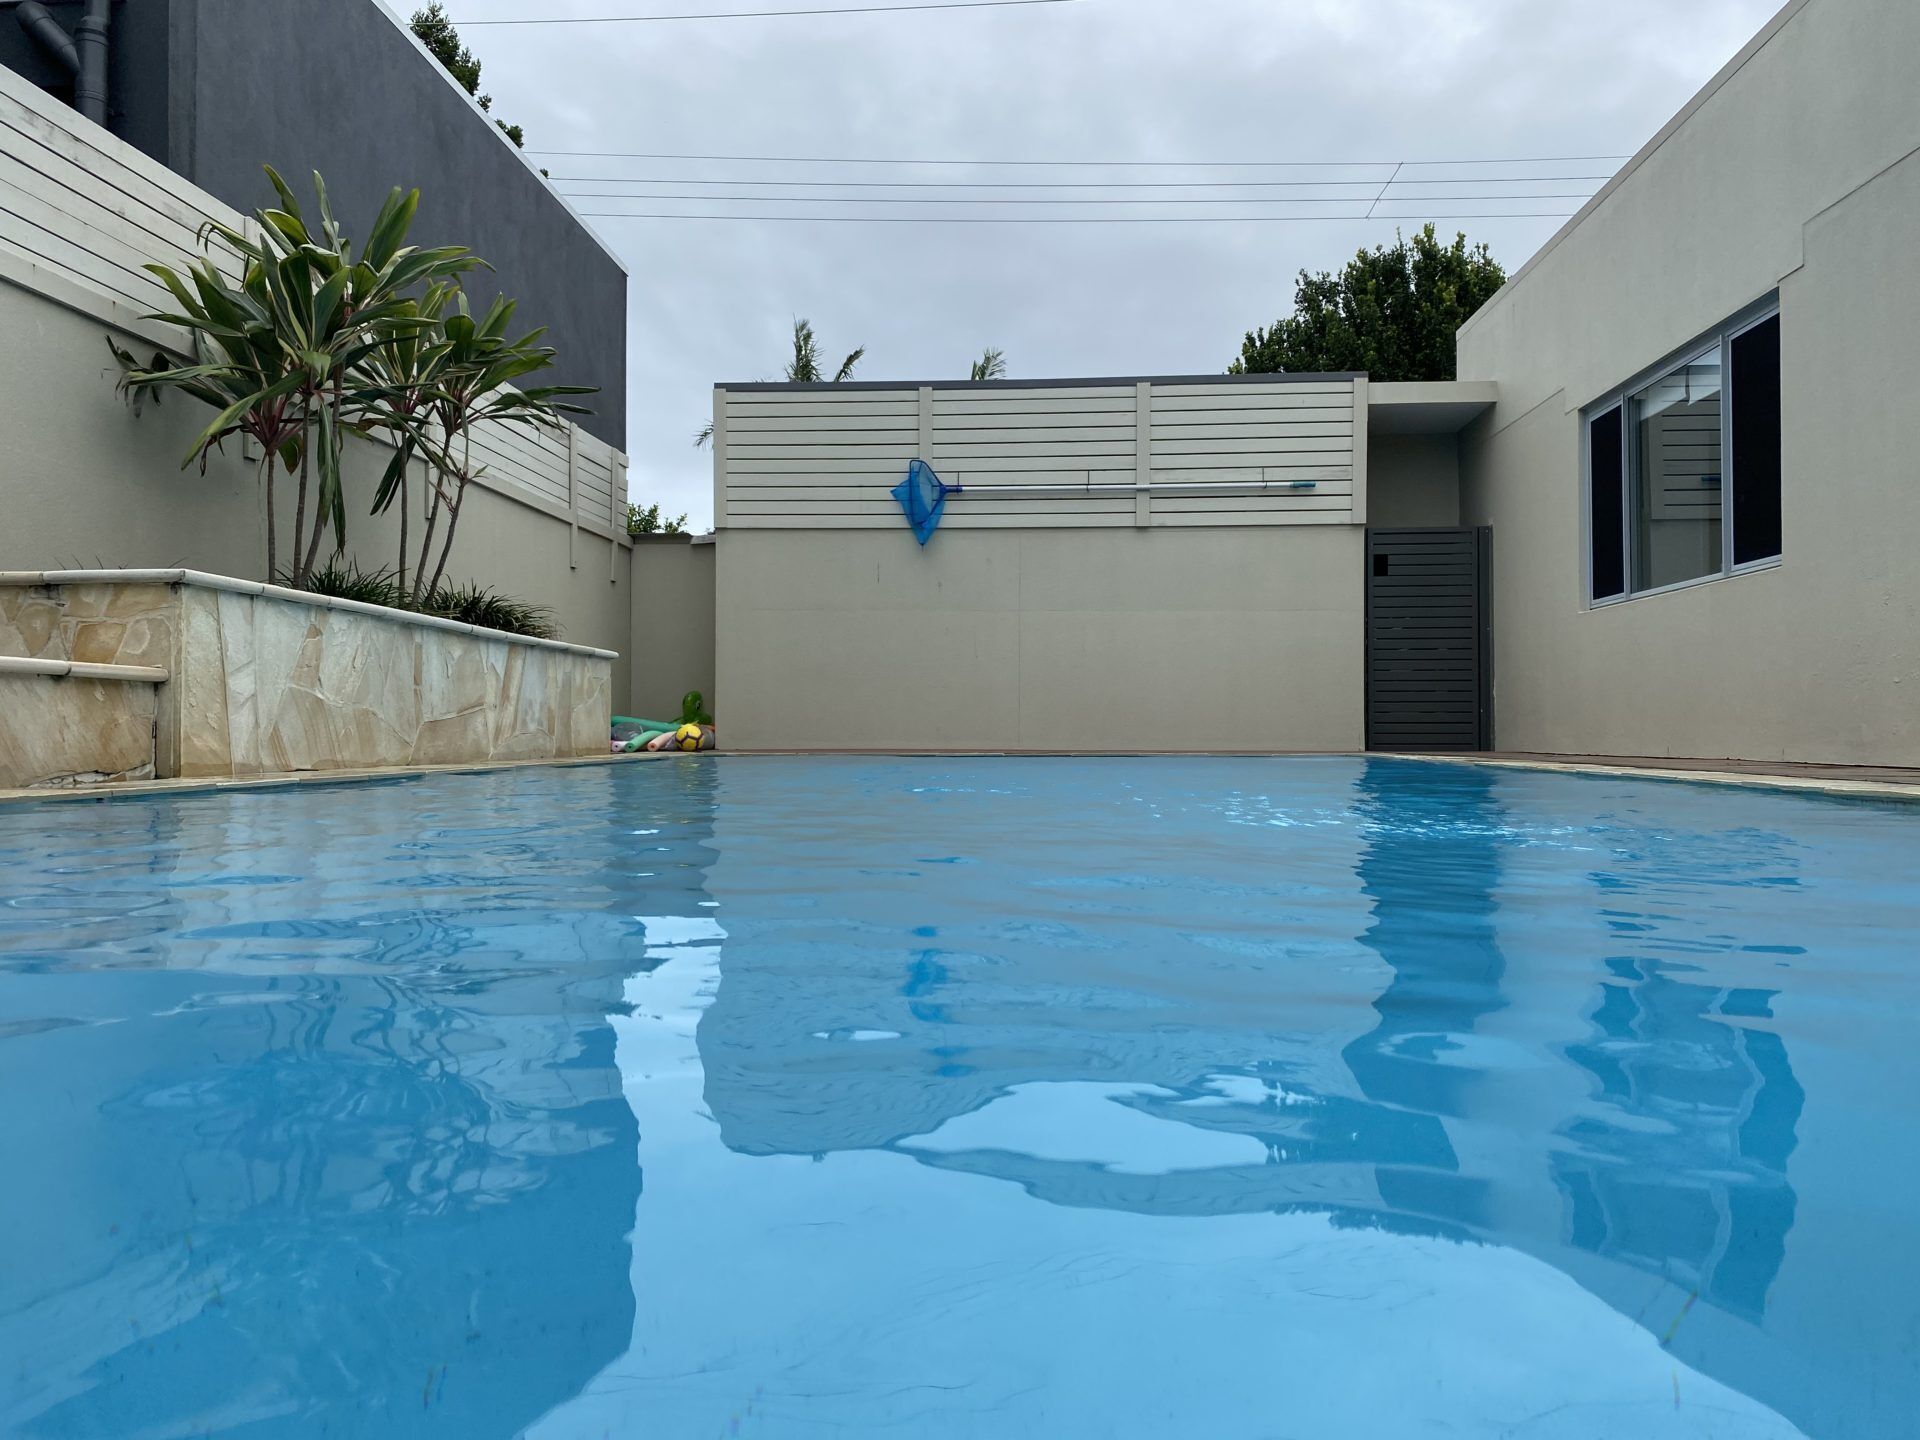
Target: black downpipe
[83, 54]
[90, 37]
[38, 22]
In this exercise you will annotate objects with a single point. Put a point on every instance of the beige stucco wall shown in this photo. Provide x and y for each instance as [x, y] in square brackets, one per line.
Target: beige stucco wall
[1192, 639]
[84, 483]
[1413, 480]
[672, 648]
[1759, 188]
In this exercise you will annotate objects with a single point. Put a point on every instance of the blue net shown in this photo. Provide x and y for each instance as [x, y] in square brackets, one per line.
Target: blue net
[923, 495]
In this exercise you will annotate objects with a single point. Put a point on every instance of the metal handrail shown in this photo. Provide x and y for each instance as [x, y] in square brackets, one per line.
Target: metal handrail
[1158, 487]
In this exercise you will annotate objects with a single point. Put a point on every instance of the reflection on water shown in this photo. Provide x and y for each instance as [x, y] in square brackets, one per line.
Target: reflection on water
[1699, 1196]
[1430, 864]
[1012, 1098]
[1418, 1000]
[313, 1117]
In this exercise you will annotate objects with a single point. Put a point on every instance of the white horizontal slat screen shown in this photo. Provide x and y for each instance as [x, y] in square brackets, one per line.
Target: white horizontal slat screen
[1271, 450]
[84, 205]
[82, 211]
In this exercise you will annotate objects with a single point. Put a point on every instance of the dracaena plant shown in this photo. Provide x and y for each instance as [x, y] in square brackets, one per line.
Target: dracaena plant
[283, 356]
[403, 370]
[465, 375]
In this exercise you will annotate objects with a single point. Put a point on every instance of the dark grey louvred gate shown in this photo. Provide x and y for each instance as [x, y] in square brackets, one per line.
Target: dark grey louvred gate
[1429, 656]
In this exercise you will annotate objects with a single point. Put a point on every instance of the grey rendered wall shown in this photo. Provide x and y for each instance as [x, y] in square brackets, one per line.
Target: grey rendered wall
[356, 100]
[1195, 639]
[1797, 171]
[214, 89]
[1413, 480]
[137, 66]
[673, 620]
[85, 483]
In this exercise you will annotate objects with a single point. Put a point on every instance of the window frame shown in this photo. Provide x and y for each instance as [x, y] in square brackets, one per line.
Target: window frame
[1621, 397]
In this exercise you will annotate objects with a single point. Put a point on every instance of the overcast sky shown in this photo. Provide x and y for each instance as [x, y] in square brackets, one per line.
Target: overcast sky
[1106, 80]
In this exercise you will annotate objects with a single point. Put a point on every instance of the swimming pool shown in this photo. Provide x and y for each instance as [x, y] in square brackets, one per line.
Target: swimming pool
[1064, 1098]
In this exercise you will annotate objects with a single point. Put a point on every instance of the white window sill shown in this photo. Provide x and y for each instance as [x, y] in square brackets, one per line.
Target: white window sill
[1752, 567]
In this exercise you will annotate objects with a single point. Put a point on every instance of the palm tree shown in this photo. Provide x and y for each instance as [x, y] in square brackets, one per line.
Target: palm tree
[803, 369]
[990, 366]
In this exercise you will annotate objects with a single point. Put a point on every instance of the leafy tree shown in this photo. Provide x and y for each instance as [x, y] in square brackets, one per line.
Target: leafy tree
[1391, 312]
[435, 28]
[647, 520]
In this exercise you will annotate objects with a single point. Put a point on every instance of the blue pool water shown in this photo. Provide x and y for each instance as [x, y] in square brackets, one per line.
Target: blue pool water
[983, 1098]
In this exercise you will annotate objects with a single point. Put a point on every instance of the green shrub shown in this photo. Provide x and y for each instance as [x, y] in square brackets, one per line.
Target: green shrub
[345, 580]
[474, 604]
[471, 604]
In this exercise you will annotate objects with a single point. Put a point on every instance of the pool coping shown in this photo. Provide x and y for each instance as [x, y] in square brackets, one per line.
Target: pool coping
[1698, 773]
[1694, 772]
[201, 785]
[1703, 772]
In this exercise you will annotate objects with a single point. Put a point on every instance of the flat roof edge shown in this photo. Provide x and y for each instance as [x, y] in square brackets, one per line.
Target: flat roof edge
[1066, 383]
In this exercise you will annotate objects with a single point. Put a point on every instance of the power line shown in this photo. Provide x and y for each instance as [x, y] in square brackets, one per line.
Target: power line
[1091, 164]
[764, 14]
[1068, 184]
[1022, 200]
[1076, 219]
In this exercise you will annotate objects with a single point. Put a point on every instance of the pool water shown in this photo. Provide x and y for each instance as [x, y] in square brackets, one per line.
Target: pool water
[987, 1098]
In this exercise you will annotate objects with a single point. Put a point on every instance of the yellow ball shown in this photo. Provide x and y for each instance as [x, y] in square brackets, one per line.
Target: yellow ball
[688, 737]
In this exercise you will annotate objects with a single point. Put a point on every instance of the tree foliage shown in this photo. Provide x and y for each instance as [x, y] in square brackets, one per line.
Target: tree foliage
[990, 366]
[321, 340]
[648, 520]
[436, 31]
[283, 356]
[804, 368]
[1392, 312]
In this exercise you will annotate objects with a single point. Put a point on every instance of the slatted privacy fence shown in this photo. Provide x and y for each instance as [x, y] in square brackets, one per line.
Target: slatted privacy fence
[82, 212]
[1265, 450]
[83, 206]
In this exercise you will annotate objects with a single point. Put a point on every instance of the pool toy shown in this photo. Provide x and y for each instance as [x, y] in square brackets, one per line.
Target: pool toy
[631, 734]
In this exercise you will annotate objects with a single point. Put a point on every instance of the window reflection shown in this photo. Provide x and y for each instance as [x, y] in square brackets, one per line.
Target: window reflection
[1682, 1169]
[1677, 475]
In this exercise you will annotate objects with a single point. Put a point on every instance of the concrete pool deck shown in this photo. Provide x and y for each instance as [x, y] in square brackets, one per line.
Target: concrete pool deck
[1883, 782]
[1871, 782]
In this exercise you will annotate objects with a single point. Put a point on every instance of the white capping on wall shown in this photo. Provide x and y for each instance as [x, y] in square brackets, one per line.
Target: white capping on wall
[281, 592]
[82, 670]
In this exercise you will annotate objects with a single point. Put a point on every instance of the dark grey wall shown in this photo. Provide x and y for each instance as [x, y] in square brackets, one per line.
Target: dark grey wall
[138, 66]
[215, 89]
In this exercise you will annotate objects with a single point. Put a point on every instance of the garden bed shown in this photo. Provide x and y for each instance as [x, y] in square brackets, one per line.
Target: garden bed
[265, 680]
